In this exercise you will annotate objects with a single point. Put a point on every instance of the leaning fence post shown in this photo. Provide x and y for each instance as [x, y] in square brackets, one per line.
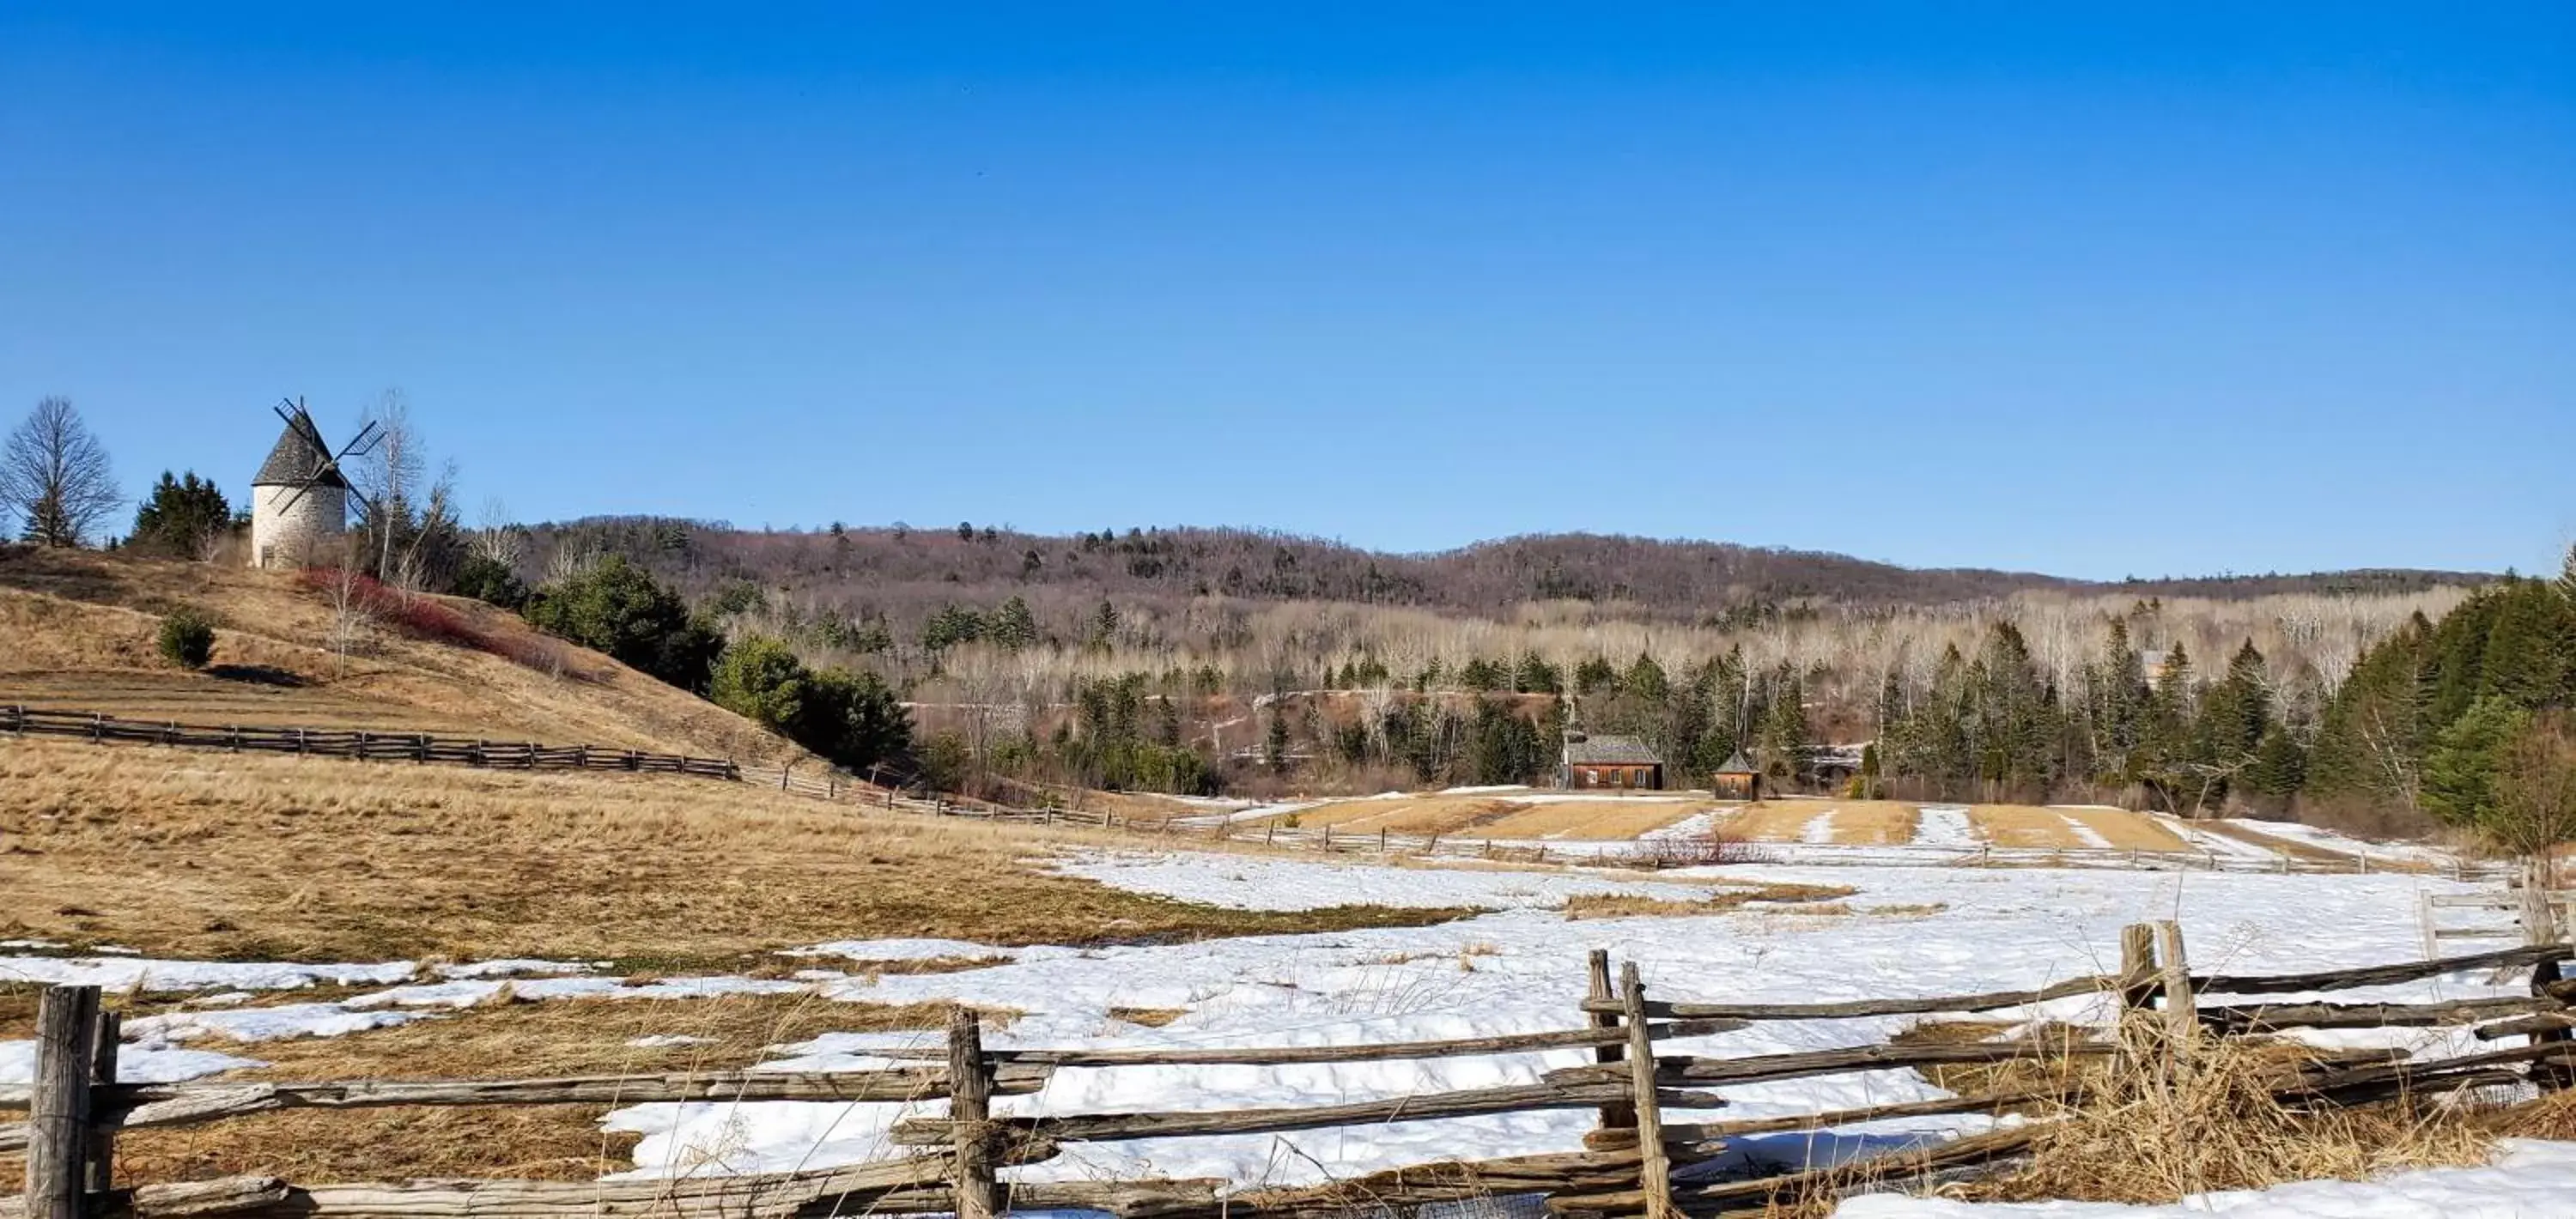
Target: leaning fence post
[1614, 1116]
[58, 1103]
[1654, 1170]
[970, 1112]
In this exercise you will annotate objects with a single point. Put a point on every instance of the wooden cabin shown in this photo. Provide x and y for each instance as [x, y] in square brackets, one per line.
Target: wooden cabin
[1617, 762]
[1736, 779]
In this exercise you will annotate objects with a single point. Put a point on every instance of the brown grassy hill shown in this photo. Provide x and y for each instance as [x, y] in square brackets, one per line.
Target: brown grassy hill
[77, 630]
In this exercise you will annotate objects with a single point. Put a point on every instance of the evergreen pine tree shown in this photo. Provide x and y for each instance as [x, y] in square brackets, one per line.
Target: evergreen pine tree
[1784, 732]
[2460, 769]
[180, 515]
[1013, 626]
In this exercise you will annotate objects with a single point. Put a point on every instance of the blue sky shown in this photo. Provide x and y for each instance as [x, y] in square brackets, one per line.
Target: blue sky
[2185, 289]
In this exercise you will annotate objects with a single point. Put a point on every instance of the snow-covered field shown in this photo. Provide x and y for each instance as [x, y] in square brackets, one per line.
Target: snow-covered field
[1517, 968]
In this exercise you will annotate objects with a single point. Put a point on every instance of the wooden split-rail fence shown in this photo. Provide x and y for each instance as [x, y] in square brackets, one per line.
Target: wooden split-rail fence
[364, 746]
[1637, 1160]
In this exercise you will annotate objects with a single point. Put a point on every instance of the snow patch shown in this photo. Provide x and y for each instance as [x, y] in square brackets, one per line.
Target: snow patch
[1243, 883]
[1944, 825]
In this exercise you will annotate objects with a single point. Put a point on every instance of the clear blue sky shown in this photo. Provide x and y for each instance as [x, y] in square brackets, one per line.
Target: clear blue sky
[2190, 289]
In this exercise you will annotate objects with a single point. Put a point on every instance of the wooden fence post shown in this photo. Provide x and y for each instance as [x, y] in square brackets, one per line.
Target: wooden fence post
[2182, 1015]
[100, 1170]
[970, 1112]
[58, 1118]
[1613, 1116]
[1654, 1169]
[1381, 840]
[2539, 922]
[2137, 966]
[2549, 1076]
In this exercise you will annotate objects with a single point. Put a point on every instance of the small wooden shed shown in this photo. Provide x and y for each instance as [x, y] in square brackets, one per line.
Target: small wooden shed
[1610, 761]
[1735, 779]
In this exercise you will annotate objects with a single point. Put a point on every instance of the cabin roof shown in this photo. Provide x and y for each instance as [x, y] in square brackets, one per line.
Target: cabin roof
[1736, 764]
[1610, 751]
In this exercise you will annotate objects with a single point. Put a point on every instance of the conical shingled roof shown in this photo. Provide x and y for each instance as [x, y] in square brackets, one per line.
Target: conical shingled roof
[293, 463]
[1736, 764]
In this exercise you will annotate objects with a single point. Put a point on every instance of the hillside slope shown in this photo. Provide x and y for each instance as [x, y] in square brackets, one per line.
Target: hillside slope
[77, 630]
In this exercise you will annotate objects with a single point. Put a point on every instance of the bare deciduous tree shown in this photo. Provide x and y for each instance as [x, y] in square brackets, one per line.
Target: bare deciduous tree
[493, 536]
[353, 620]
[390, 475]
[54, 475]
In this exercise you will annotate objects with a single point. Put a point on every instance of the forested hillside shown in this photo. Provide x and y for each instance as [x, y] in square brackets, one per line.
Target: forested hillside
[899, 570]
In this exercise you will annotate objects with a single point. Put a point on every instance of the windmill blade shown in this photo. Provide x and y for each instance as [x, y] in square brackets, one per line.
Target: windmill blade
[292, 500]
[363, 443]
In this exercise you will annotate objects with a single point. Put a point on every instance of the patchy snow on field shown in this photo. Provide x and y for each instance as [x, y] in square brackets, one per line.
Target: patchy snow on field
[1518, 968]
[902, 950]
[1819, 829]
[2216, 844]
[146, 974]
[124, 973]
[1697, 825]
[2084, 834]
[265, 1023]
[1521, 970]
[1946, 826]
[2527, 1180]
[1239, 882]
[1264, 812]
[143, 1062]
[2318, 836]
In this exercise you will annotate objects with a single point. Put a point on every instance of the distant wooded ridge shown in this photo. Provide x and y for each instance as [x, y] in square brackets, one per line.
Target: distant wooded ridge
[1680, 577]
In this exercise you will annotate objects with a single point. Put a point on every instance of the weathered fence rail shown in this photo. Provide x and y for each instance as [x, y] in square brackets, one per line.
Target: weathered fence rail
[1635, 1162]
[365, 746]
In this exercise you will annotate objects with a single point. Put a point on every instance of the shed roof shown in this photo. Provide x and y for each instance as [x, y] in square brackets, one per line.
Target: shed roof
[295, 462]
[1736, 764]
[1610, 751]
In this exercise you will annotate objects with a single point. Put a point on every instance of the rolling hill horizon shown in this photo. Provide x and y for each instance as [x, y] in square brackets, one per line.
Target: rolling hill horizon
[1260, 564]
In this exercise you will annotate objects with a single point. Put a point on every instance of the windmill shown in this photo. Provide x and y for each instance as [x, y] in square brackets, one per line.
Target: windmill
[325, 470]
[300, 497]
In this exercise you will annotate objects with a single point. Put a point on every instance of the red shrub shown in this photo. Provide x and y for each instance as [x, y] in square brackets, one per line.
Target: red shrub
[428, 618]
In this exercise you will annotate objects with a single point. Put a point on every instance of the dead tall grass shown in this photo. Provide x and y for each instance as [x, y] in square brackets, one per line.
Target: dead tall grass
[216, 856]
[2208, 1120]
[1622, 905]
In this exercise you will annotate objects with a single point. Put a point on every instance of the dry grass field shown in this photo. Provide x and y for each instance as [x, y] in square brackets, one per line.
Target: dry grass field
[2127, 831]
[1850, 822]
[212, 855]
[77, 628]
[1489, 816]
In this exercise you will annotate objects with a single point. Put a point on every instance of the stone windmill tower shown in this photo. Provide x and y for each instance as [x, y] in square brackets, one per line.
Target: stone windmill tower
[299, 500]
